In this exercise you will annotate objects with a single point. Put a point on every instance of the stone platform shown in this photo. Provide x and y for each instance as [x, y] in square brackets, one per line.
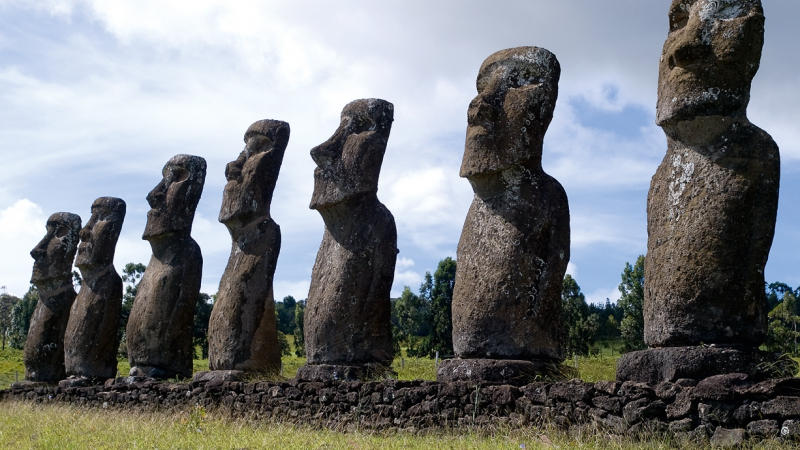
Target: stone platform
[505, 371]
[719, 409]
[673, 363]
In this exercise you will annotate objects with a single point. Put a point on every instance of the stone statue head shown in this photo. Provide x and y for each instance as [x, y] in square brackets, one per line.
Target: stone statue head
[252, 176]
[53, 255]
[174, 200]
[506, 122]
[349, 163]
[99, 236]
[711, 55]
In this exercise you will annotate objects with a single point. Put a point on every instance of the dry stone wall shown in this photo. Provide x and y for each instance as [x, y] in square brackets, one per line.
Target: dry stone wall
[718, 409]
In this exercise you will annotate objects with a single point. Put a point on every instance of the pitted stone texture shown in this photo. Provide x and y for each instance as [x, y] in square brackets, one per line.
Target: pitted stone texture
[159, 331]
[673, 363]
[512, 372]
[347, 315]
[514, 246]
[713, 201]
[242, 331]
[329, 372]
[52, 276]
[91, 341]
[218, 376]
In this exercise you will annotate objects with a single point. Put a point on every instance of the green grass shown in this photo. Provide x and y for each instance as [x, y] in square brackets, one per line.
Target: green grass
[24, 425]
[590, 369]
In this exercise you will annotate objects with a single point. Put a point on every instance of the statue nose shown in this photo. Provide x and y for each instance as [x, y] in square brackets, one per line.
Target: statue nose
[157, 196]
[691, 49]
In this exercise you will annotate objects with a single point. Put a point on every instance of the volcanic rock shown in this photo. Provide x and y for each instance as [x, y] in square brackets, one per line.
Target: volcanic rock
[515, 243]
[347, 317]
[52, 276]
[159, 331]
[242, 331]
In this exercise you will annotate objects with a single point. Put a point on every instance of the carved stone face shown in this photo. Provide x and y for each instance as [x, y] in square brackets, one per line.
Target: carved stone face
[99, 236]
[54, 254]
[506, 122]
[174, 200]
[710, 56]
[349, 163]
[252, 176]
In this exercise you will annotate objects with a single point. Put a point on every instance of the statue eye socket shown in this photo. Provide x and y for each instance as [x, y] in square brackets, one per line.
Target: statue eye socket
[679, 16]
[179, 174]
[61, 232]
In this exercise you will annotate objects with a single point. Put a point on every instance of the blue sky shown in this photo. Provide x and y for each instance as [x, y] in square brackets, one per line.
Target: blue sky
[95, 96]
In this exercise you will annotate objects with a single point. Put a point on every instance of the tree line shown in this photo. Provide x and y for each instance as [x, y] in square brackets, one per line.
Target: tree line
[422, 320]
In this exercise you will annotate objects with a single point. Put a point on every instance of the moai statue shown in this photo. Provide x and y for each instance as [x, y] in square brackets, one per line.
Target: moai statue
[159, 331]
[348, 331]
[242, 332]
[52, 276]
[91, 341]
[514, 246]
[712, 203]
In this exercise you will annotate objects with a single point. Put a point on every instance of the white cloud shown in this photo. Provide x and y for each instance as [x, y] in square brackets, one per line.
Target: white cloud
[22, 226]
[137, 82]
[572, 269]
[404, 276]
[599, 296]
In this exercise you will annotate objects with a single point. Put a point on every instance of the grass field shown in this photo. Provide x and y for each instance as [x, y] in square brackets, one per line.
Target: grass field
[590, 369]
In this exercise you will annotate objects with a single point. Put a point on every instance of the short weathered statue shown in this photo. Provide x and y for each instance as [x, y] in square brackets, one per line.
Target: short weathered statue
[347, 319]
[52, 276]
[514, 246]
[242, 332]
[712, 203]
[91, 341]
[159, 331]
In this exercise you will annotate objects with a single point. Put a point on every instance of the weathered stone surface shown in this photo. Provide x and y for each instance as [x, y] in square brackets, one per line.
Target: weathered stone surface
[348, 307]
[782, 407]
[672, 363]
[52, 275]
[514, 246]
[511, 372]
[727, 438]
[213, 376]
[764, 428]
[331, 372]
[242, 331]
[791, 429]
[91, 340]
[713, 201]
[159, 331]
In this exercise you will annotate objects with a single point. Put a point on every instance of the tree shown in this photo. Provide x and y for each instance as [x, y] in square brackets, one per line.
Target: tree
[202, 314]
[131, 276]
[440, 293]
[283, 344]
[299, 338]
[21, 317]
[284, 314]
[632, 304]
[411, 321]
[782, 334]
[7, 304]
[580, 326]
[609, 316]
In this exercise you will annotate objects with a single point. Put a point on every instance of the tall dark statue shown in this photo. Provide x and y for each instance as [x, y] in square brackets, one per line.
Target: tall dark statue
[242, 332]
[347, 318]
[159, 331]
[52, 276]
[91, 339]
[713, 201]
[514, 247]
